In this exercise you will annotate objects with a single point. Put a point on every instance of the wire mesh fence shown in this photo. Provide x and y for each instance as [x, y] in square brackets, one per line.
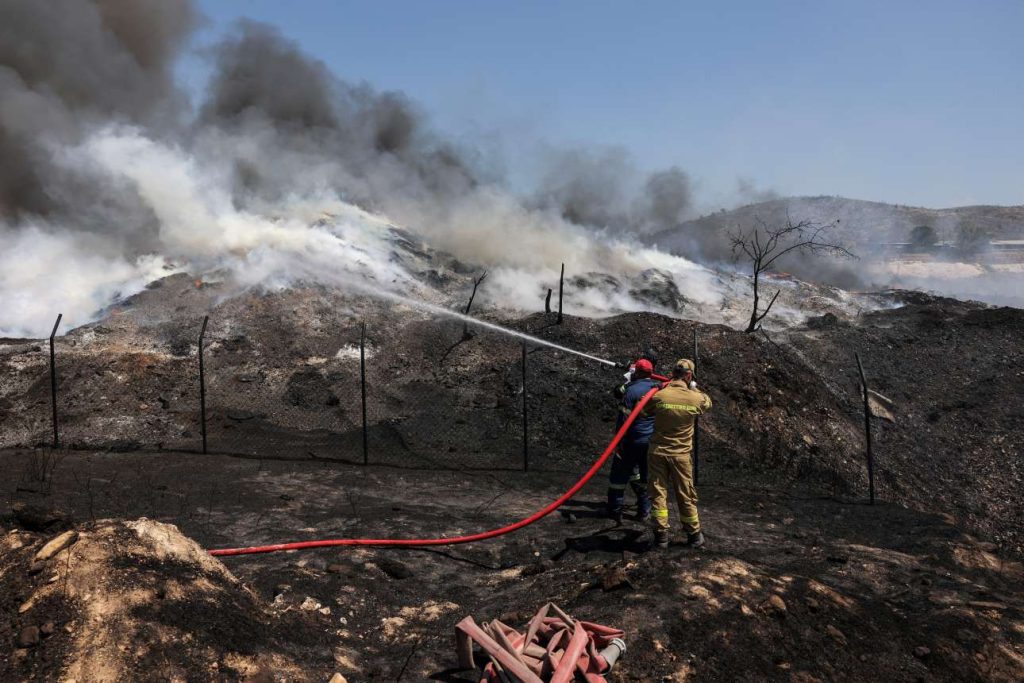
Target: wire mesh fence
[441, 398]
[358, 406]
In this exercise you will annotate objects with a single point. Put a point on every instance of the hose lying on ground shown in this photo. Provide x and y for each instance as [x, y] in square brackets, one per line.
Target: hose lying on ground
[472, 538]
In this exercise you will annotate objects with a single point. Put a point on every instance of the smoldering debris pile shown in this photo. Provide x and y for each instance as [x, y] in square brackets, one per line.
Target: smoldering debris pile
[283, 381]
[283, 378]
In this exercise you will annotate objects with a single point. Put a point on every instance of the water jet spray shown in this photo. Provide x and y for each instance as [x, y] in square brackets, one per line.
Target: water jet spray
[376, 292]
[440, 310]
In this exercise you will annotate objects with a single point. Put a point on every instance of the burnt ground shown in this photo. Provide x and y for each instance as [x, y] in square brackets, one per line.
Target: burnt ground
[790, 588]
[446, 444]
[954, 373]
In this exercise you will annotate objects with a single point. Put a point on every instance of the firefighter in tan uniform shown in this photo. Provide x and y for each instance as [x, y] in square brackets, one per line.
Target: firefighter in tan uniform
[669, 457]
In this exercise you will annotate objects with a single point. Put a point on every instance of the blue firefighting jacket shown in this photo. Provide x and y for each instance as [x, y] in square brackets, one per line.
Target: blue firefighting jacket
[641, 430]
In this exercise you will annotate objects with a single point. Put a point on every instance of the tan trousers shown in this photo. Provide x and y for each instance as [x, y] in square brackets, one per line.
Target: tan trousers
[672, 473]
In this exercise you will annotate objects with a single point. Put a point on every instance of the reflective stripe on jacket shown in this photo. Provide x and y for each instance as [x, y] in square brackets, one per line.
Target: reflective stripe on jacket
[674, 409]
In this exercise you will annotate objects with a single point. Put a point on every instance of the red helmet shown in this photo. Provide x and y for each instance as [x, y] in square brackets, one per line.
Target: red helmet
[643, 365]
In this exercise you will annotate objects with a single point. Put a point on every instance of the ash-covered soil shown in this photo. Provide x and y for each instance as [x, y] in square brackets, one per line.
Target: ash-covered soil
[789, 588]
[283, 381]
[954, 372]
[923, 585]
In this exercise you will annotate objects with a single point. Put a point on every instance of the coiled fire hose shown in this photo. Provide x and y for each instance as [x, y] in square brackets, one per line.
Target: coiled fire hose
[455, 540]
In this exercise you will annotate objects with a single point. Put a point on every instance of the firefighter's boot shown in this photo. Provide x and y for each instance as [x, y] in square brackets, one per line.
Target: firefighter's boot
[616, 502]
[695, 540]
[643, 502]
[660, 539]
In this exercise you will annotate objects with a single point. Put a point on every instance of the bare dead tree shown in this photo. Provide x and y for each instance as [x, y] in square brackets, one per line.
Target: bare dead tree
[765, 244]
[476, 283]
[467, 335]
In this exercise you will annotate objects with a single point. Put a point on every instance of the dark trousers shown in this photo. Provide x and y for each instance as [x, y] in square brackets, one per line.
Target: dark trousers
[629, 468]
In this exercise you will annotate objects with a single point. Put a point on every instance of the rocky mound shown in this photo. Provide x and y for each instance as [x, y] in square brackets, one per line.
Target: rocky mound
[122, 600]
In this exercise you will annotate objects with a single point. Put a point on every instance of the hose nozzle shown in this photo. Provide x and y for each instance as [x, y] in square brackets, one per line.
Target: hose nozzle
[611, 654]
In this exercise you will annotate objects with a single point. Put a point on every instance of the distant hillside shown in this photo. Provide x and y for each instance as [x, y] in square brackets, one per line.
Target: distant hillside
[859, 221]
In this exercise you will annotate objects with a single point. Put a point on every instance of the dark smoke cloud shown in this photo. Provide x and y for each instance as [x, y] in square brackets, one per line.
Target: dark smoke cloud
[280, 121]
[667, 200]
[602, 188]
[374, 147]
[588, 186]
[259, 74]
[106, 57]
[66, 67]
[747, 192]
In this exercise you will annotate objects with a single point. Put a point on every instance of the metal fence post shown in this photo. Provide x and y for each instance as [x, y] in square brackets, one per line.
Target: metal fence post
[867, 430]
[526, 441]
[362, 389]
[53, 381]
[696, 420]
[202, 384]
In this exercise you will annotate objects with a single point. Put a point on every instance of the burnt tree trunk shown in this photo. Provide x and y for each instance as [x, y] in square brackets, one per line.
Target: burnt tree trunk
[53, 381]
[466, 335]
[755, 317]
[561, 281]
[753, 313]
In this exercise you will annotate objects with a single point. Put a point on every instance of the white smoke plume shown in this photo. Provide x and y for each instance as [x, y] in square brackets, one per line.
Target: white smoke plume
[286, 173]
[44, 272]
[316, 237]
[283, 173]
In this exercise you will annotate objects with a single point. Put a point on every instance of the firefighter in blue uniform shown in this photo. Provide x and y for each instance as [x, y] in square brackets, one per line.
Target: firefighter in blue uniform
[629, 465]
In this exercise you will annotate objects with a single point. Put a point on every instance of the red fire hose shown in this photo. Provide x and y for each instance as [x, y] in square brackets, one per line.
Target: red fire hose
[422, 542]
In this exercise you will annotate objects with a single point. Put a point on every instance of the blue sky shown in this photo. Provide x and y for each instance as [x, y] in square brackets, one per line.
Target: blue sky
[907, 102]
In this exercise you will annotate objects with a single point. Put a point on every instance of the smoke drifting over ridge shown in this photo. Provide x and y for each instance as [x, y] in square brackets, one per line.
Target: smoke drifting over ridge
[377, 148]
[320, 129]
[600, 188]
[111, 178]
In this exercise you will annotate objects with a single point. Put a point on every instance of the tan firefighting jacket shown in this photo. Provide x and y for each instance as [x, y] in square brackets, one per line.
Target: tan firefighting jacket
[674, 408]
